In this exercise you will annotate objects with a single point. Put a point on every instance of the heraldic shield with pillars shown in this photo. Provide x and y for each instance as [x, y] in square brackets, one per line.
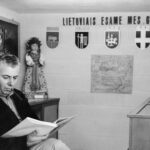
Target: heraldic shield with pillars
[112, 38]
[81, 39]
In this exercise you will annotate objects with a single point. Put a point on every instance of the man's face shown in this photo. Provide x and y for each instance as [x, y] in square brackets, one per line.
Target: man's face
[8, 78]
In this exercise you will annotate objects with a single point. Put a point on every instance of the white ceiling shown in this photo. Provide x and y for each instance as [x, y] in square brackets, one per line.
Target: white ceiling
[71, 6]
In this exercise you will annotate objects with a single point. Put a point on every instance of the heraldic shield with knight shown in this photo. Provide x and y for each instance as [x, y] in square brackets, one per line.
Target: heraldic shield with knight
[112, 38]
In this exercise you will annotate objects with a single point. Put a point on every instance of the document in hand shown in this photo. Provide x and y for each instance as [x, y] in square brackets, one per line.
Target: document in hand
[29, 125]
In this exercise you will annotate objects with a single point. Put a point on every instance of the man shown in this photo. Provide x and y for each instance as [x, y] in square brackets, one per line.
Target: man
[14, 107]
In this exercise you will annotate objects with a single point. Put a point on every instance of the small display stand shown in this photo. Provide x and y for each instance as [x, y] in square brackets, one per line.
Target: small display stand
[139, 127]
[37, 96]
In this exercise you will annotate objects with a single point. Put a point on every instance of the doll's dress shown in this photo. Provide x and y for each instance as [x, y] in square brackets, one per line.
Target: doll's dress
[34, 77]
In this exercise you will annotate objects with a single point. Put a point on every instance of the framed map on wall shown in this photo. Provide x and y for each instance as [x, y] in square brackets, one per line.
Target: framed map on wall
[111, 74]
[9, 36]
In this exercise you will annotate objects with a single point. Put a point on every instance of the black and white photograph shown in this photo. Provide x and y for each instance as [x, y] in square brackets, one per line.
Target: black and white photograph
[74, 74]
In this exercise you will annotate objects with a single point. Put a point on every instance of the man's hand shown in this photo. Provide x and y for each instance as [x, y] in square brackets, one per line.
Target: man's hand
[35, 138]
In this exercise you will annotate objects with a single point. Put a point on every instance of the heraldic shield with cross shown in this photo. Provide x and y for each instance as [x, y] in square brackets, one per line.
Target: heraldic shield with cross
[142, 39]
[112, 38]
[81, 39]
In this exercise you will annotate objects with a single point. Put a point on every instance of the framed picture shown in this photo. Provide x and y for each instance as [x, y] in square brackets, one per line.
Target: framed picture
[111, 74]
[9, 36]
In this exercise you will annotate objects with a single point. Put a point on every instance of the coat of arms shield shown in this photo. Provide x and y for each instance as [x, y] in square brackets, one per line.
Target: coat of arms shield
[52, 37]
[112, 38]
[142, 39]
[81, 39]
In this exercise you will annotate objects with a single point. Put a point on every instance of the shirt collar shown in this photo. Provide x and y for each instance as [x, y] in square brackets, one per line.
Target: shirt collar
[6, 96]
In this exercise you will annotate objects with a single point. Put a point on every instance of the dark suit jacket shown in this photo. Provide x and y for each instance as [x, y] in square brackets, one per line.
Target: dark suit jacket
[8, 120]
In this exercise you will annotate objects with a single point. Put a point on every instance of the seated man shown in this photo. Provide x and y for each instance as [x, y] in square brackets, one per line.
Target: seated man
[14, 107]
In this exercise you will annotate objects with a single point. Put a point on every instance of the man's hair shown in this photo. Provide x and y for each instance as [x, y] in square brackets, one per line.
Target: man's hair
[9, 59]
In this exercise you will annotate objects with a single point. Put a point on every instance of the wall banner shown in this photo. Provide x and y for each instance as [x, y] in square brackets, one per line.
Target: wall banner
[52, 37]
[105, 20]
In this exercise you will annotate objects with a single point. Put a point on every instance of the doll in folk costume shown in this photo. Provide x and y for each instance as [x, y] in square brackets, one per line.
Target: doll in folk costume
[35, 83]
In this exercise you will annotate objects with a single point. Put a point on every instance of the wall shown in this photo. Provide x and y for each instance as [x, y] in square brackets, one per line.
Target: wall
[4, 12]
[101, 121]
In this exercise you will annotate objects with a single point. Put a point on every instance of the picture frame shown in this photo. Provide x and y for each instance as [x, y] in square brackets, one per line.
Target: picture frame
[9, 36]
[112, 74]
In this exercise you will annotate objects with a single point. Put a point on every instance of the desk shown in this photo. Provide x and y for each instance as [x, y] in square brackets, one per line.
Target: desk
[47, 109]
[139, 132]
